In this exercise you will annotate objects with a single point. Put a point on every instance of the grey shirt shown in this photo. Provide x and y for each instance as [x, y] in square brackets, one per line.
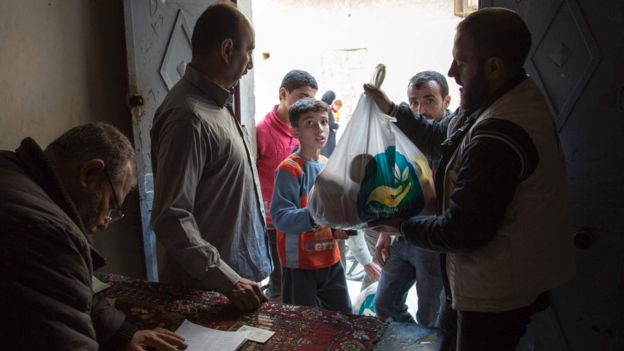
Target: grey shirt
[207, 211]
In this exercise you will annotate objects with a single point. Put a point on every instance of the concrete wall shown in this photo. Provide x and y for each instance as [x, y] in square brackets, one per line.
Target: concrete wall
[62, 63]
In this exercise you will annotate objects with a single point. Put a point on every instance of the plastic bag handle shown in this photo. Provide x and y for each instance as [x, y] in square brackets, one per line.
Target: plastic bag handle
[378, 75]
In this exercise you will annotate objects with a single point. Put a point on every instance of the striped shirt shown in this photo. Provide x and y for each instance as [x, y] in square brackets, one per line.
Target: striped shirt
[300, 242]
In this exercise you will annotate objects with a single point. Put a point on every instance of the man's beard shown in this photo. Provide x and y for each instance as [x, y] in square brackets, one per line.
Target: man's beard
[476, 91]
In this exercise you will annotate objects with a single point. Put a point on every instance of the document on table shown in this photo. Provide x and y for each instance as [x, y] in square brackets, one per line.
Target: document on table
[202, 338]
[256, 334]
[98, 285]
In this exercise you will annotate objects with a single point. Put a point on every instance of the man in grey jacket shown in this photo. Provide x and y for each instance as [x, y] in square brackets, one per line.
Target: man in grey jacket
[207, 210]
[49, 201]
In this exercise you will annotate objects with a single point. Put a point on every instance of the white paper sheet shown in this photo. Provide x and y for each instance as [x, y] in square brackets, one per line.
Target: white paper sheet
[202, 338]
[256, 334]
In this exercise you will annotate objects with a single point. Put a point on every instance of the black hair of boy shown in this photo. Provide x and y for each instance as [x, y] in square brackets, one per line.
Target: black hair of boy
[296, 79]
[304, 106]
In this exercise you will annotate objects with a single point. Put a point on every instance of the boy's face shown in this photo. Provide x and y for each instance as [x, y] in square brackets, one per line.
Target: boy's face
[290, 98]
[312, 130]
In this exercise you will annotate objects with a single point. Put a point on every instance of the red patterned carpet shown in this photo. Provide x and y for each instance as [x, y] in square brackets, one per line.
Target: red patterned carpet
[149, 305]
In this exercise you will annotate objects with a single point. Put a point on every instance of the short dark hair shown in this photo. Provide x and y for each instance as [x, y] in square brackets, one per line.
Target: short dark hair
[95, 140]
[498, 32]
[296, 79]
[305, 105]
[425, 77]
[217, 23]
[328, 97]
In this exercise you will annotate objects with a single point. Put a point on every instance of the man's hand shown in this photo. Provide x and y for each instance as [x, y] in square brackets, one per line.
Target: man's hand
[373, 271]
[339, 234]
[382, 248]
[379, 97]
[246, 295]
[159, 339]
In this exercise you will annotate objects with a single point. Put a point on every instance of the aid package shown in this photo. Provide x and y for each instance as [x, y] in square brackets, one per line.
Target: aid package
[375, 172]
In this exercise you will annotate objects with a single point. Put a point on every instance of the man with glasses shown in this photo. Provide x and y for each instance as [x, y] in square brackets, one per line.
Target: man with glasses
[115, 213]
[49, 201]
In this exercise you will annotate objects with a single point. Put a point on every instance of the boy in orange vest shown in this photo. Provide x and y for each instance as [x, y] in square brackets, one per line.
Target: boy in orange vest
[312, 274]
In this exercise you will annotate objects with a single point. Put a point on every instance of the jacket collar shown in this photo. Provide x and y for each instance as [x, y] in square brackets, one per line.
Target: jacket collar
[520, 77]
[220, 96]
[38, 167]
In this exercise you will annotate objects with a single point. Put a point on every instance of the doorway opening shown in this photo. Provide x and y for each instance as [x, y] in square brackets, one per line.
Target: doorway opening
[340, 43]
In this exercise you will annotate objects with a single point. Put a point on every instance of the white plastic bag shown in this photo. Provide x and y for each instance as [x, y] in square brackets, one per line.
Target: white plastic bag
[364, 304]
[375, 172]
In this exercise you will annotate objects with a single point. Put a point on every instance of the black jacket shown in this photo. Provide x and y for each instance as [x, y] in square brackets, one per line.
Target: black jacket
[46, 264]
[487, 178]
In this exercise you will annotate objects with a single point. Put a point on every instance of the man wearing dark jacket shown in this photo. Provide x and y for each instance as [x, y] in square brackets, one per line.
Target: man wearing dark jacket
[503, 219]
[49, 201]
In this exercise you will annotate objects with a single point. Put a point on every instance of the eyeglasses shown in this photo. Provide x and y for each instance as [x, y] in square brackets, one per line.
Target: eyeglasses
[115, 213]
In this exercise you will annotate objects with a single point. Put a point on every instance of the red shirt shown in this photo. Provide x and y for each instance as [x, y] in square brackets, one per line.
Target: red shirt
[275, 144]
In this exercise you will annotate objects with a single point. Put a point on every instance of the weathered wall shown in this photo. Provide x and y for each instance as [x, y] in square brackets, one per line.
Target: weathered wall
[62, 63]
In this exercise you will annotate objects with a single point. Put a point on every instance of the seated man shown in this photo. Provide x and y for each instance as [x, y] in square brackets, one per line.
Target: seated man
[50, 201]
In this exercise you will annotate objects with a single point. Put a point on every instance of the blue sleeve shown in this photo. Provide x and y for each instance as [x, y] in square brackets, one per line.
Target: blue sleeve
[286, 214]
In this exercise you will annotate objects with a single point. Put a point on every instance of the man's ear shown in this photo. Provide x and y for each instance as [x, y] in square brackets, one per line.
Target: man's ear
[495, 69]
[90, 173]
[227, 49]
[282, 93]
[447, 101]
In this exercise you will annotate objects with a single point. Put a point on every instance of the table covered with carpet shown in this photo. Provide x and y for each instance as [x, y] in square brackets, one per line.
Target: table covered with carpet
[149, 305]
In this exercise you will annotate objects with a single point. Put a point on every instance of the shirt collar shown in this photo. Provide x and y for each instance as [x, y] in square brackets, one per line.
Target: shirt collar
[221, 96]
[278, 123]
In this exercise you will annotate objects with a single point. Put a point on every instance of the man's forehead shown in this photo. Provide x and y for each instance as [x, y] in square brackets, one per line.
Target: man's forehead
[464, 44]
[248, 32]
[306, 89]
[431, 88]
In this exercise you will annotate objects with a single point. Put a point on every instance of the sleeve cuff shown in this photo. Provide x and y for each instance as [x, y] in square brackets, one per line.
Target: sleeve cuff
[366, 260]
[313, 224]
[359, 248]
[222, 279]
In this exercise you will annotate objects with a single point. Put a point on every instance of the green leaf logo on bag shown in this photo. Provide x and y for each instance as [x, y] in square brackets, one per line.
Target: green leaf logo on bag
[389, 188]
